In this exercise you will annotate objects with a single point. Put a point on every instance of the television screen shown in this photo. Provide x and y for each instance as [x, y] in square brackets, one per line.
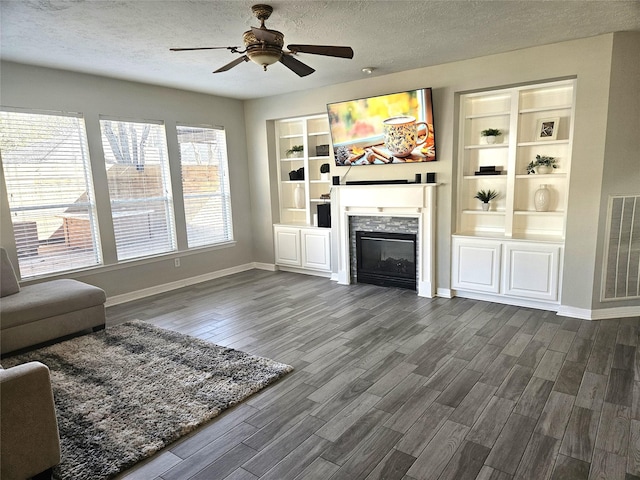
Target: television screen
[387, 129]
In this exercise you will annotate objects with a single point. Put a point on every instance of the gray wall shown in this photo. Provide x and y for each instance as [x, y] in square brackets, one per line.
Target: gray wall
[47, 89]
[605, 158]
[588, 60]
[621, 173]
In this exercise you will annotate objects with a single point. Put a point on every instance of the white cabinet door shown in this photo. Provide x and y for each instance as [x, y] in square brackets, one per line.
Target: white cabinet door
[287, 240]
[476, 265]
[531, 271]
[316, 249]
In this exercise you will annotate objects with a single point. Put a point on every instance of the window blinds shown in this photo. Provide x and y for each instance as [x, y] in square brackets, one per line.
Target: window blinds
[48, 180]
[137, 167]
[205, 185]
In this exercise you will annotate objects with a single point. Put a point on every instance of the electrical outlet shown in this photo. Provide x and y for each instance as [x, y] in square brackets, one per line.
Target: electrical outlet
[176, 262]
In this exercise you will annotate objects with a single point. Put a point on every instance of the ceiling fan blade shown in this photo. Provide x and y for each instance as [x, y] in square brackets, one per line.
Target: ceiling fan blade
[230, 65]
[200, 48]
[296, 66]
[342, 52]
[264, 35]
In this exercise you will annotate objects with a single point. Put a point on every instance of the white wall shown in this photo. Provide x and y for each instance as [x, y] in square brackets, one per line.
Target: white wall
[47, 89]
[588, 60]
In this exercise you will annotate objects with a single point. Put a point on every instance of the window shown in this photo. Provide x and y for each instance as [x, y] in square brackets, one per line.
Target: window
[47, 173]
[205, 185]
[135, 155]
[50, 191]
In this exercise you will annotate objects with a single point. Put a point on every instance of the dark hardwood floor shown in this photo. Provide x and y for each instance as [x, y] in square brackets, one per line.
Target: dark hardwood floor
[390, 385]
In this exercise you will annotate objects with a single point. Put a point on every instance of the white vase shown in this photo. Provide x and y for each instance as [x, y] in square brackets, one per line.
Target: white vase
[485, 206]
[542, 198]
[324, 177]
[491, 139]
[298, 196]
[543, 169]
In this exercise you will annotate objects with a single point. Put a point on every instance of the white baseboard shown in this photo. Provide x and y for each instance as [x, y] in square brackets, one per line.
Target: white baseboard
[562, 310]
[304, 271]
[444, 293]
[426, 290]
[166, 287]
[503, 299]
[599, 314]
[270, 267]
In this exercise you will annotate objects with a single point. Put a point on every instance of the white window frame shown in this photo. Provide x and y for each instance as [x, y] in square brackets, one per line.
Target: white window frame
[142, 214]
[34, 261]
[223, 219]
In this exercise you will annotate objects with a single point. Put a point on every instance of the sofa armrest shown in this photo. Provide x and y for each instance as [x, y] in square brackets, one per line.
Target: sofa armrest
[29, 439]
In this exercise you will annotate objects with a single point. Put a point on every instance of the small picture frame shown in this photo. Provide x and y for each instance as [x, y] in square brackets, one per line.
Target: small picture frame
[547, 128]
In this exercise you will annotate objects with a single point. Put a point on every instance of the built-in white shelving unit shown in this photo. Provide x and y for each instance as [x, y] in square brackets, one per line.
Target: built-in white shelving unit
[309, 132]
[299, 243]
[512, 249]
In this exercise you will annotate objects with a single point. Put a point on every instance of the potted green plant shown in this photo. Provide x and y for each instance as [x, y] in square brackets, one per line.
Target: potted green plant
[295, 151]
[324, 172]
[490, 134]
[542, 164]
[485, 196]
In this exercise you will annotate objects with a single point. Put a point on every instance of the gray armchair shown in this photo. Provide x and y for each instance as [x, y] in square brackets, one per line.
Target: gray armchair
[29, 440]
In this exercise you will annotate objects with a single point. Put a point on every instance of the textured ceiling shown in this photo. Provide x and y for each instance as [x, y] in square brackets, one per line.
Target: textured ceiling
[130, 39]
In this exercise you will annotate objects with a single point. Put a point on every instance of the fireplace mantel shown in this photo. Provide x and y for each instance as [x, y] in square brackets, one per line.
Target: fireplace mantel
[413, 200]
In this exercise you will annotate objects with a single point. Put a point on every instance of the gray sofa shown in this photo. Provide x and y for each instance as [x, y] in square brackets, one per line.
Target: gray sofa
[29, 439]
[38, 313]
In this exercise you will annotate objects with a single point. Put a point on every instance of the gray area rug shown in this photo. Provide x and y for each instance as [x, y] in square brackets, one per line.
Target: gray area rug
[124, 393]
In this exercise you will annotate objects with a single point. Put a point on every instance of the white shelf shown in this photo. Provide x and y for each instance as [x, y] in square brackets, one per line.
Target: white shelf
[543, 142]
[544, 109]
[487, 115]
[518, 237]
[541, 176]
[485, 177]
[483, 212]
[295, 135]
[487, 145]
[555, 213]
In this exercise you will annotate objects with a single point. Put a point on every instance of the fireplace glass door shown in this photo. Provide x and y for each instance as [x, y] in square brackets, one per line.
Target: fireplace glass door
[386, 259]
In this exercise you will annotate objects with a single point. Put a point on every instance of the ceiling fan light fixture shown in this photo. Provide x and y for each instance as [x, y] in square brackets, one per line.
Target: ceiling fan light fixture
[264, 55]
[264, 59]
[262, 52]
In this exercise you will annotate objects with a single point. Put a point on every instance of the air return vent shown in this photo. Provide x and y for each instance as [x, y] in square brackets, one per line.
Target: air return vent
[622, 261]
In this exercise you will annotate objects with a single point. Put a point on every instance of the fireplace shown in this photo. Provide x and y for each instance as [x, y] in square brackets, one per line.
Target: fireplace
[414, 202]
[386, 259]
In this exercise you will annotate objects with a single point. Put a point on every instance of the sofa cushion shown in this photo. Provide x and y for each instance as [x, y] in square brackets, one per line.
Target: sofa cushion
[8, 280]
[48, 299]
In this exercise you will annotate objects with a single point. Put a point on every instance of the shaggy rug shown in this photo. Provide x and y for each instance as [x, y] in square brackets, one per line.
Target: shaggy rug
[124, 393]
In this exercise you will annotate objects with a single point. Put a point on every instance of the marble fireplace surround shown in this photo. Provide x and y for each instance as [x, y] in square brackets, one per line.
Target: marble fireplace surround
[396, 200]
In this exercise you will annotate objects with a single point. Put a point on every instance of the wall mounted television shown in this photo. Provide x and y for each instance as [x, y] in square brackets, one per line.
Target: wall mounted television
[366, 131]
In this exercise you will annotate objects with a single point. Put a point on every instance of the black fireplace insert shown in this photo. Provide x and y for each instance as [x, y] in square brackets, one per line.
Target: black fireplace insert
[386, 259]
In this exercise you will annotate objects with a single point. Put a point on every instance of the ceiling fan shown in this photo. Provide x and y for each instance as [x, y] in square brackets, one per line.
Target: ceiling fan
[264, 47]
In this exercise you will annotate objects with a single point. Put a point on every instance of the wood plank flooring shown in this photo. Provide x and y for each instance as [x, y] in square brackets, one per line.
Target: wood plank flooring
[388, 385]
